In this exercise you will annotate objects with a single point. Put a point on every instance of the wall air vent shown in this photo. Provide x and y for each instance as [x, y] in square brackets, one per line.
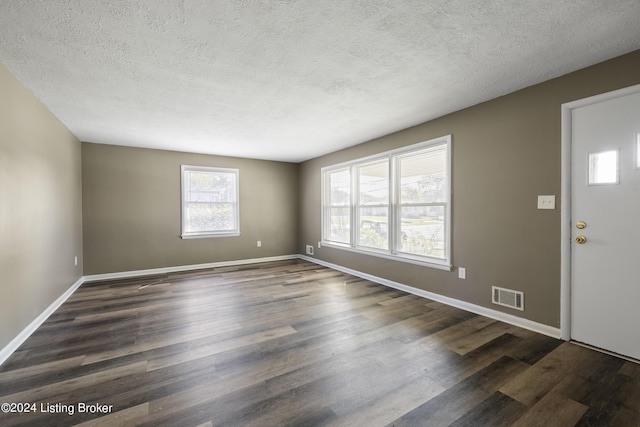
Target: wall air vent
[508, 298]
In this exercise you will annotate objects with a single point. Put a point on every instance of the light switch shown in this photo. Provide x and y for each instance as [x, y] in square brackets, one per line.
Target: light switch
[546, 202]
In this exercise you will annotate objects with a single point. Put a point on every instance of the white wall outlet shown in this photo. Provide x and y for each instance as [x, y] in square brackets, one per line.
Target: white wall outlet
[462, 273]
[75, 260]
[259, 243]
[309, 249]
[319, 244]
[547, 202]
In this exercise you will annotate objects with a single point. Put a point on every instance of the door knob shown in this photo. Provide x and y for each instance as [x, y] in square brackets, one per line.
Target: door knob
[581, 240]
[581, 224]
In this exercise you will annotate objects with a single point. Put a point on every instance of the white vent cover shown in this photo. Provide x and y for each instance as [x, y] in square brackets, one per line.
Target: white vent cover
[508, 298]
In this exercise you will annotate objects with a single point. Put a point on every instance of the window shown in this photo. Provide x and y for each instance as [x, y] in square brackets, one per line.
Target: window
[603, 168]
[209, 202]
[372, 204]
[338, 210]
[396, 204]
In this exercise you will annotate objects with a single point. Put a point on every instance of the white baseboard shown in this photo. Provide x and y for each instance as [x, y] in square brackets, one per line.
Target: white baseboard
[473, 308]
[31, 328]
[163, 270]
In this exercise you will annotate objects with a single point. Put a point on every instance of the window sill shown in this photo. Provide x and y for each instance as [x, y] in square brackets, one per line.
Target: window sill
[444, 265]
[208, 235]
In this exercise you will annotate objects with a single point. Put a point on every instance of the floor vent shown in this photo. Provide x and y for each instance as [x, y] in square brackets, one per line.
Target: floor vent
[508, 298]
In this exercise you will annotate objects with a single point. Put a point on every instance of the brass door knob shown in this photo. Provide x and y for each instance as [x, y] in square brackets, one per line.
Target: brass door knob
[581, 224]
[581, 240]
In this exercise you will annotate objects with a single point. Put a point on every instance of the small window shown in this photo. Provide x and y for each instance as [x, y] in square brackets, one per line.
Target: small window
[603, 168]
[209, 202]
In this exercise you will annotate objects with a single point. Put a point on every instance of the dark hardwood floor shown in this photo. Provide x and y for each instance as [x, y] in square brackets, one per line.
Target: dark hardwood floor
[294, 343]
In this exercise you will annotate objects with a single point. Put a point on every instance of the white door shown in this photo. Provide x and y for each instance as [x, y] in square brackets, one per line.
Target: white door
[605, 196]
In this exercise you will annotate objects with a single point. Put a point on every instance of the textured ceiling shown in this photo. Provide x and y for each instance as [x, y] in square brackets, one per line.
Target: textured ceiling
[290, 80]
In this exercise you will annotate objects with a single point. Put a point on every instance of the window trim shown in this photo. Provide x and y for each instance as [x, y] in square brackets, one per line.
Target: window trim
[349, 207]
[183, 203]
[393, 222]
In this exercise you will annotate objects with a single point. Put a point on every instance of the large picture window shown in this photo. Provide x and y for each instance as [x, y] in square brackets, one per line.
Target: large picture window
[395, 204]
[209, 202]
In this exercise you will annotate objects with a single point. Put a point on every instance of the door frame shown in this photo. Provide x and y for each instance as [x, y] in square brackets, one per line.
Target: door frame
[565, 201]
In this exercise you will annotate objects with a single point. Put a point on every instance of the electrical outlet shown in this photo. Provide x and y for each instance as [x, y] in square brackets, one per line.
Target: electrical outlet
[309, 250]
[259, 243]
[75, 260]
[462, 273]
[319, 244]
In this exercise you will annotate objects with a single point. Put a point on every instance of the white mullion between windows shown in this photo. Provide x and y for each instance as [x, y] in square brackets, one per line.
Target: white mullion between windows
[394, 200]
[355, 199]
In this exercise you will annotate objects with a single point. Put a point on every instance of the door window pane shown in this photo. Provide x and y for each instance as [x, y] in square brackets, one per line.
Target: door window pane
[603, 167]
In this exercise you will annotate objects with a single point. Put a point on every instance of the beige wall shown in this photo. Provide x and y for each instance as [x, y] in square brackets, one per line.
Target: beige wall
[131, 210]
[40, 207]
[506, 152]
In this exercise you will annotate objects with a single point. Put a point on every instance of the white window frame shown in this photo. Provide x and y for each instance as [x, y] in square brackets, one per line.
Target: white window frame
[394, 219]
[184, 169]
[326, 218]
[358, 205]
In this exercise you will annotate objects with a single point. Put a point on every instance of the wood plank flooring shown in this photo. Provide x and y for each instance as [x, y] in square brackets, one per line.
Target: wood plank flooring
[292, 343]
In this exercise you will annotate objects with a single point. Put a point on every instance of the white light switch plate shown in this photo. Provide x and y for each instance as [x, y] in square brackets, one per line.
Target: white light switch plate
[546, 202]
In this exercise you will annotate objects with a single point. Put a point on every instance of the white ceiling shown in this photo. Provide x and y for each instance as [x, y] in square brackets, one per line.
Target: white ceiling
[291, 79]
